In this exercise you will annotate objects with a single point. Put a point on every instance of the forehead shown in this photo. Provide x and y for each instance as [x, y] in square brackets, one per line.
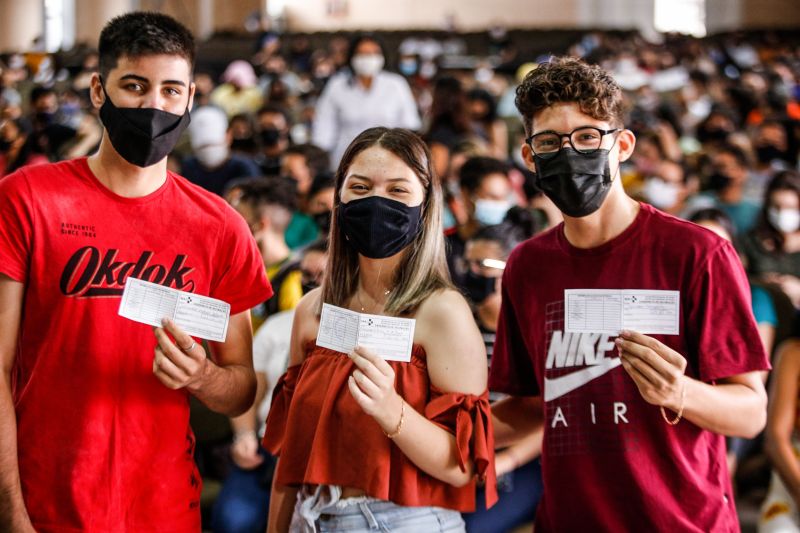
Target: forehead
[564, 117]
[156, 68]
[368, 47]
[380, 164]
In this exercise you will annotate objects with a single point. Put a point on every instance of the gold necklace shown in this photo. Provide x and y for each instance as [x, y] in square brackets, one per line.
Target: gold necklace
[361, 303]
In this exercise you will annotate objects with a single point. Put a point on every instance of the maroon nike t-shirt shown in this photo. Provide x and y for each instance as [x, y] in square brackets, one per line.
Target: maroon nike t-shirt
[610, 462]
[103, 446]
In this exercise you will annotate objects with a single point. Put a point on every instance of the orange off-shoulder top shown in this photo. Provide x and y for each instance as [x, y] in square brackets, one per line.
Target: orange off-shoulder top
[324, 438]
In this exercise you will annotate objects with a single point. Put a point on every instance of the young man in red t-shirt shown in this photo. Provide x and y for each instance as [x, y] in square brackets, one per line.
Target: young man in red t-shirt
[633, 423]
[94, 407]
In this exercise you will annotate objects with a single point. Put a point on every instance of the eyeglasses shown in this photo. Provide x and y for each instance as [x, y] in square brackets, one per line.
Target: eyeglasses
[584, 140]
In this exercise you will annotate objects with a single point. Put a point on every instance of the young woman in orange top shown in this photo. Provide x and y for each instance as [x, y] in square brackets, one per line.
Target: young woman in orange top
[366, 443]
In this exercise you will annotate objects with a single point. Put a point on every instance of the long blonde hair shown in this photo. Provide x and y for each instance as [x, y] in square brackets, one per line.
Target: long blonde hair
[423, 267]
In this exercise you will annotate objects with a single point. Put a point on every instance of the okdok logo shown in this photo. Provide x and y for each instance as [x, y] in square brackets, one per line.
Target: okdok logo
[88, 275]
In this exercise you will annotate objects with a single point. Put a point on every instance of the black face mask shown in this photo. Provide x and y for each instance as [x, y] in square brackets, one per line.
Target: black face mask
[143, 136]
[45, 118]
[478, 287]
[768, 153]
[271, 136]
[323, 221]
[308, 287]
[245, 144]
[718, 181]
[5, 145]
[379, 227]
[577, 183]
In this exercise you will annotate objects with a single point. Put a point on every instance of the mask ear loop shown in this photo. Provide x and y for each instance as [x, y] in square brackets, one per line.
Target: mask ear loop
[619, 164]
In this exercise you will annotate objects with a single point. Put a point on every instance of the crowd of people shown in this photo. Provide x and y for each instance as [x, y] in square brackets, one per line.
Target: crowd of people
[605, 159]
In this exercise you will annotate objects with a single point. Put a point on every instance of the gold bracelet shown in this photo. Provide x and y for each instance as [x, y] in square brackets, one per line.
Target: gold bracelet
[677, 419]
[396, 431]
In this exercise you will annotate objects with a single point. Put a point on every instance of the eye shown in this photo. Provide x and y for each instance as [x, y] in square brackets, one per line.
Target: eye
[399, 190]
[358, 187]
[134, 87]
[172, 91]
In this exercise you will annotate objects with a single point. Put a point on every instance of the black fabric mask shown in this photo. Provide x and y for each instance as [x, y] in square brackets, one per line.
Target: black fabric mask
[270, 136]
[577, 183]
[379, 227]
[323, 221]
[769, 153]
[718, 181]
[143, 136]
[478, 287]
[308, 287]
[5, 145]
[245, 144]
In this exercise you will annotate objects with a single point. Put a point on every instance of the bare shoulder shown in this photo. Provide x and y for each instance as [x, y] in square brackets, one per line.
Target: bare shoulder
[455, 351]
[306, 321]
[443, 308]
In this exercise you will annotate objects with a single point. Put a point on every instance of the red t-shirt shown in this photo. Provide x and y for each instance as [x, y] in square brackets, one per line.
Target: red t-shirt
[609, 461]
[102, 445]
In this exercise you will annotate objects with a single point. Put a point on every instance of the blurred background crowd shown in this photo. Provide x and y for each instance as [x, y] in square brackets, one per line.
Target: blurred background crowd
[717, 121]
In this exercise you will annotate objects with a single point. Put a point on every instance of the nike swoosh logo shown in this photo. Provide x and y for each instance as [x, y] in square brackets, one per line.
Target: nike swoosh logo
[557, 387]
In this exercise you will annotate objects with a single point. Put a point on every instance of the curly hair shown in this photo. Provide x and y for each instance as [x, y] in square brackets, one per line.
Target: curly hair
[567, 79]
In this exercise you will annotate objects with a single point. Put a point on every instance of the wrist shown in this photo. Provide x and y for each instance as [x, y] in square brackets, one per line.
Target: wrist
[392, 423]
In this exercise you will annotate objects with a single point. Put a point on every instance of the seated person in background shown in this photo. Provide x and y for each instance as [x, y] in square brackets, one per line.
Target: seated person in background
[267, 206]
[303, 162]
[243, 503]
[772, 249]
[239, 92]
[212, 165]
[728, 183]
[519, 481]
[273, 125]
[320, 202]
[486, 195]
[16, 150]
[779, 512]
[668, 187]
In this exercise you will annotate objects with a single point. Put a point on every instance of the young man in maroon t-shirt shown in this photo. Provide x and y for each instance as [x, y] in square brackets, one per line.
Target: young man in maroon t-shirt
[633, 423]
[94, 407]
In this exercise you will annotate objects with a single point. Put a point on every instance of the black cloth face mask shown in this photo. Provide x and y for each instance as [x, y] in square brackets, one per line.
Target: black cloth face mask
[577, 183]
[479, 287]
[143, 136]
[323, 221]
[379, 227]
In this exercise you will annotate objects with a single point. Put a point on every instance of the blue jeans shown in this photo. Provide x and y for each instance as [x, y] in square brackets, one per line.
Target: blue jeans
[243, 502]
[387, 517]
[519, 492]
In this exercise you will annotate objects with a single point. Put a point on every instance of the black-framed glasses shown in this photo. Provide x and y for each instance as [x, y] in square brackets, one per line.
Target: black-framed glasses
[584, 140]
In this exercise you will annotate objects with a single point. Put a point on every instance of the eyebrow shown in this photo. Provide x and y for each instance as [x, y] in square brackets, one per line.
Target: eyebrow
[145, 80]
[393, 180]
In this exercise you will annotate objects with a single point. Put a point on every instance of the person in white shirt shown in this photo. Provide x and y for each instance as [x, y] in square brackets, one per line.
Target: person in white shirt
[362, 97]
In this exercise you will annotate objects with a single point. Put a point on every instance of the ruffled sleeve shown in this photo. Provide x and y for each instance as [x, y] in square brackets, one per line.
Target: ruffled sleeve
[469, 418]
[279, 410]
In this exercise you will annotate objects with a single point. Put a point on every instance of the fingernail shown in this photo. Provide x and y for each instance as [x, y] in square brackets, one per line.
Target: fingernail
[618, 341]
[165, 321]
[625, 333]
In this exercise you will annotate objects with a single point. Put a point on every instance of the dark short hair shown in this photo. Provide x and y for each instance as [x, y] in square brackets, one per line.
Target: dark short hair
[274, 191]
[274, 109]
[316, 158]
[323, 180]
[143, 33]
[717, 216]
[475, 169]
[570, 80]
[40, 91]
[738, 154]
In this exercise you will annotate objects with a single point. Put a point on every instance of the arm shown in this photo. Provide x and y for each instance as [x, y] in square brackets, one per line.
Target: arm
[244, 450]
[226, 384]
[735, 407]
[13, 515]
[456, 362]
[520, 453]
[281, 507]
[782, 417]
[515, 417]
